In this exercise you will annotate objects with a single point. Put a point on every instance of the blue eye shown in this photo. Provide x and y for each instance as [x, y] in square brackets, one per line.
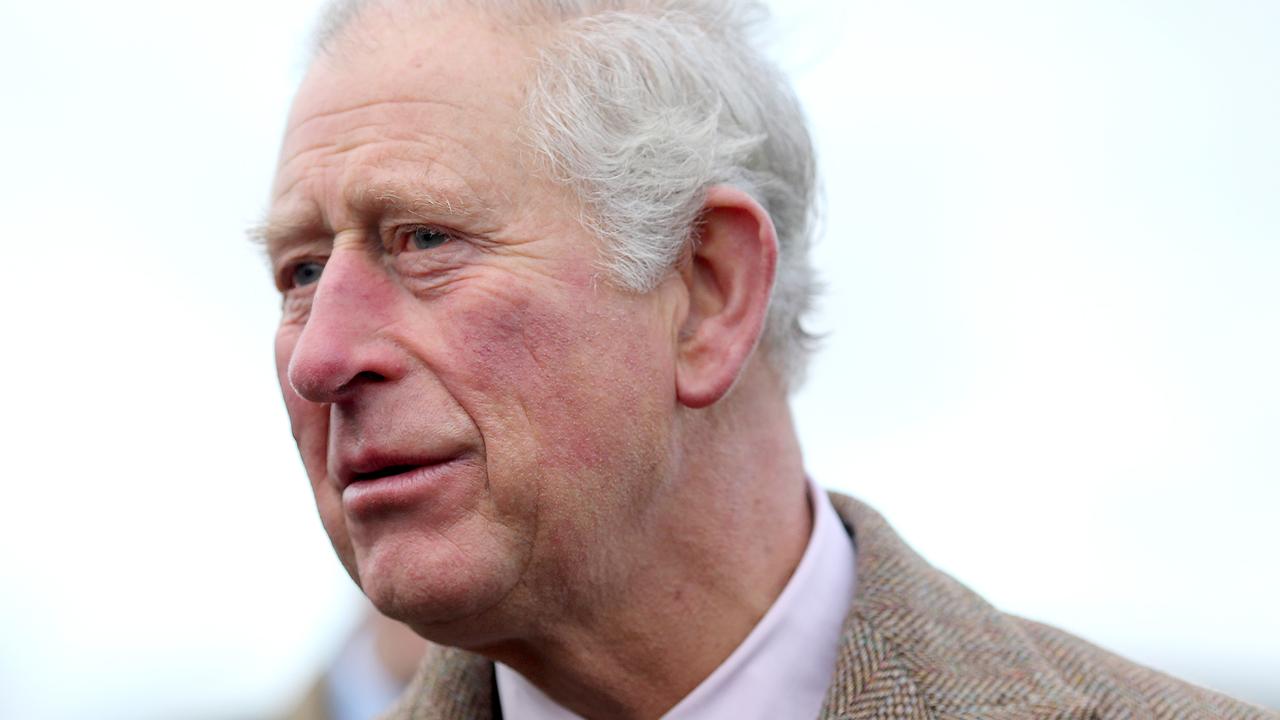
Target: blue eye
[425, 238]
[306, 273]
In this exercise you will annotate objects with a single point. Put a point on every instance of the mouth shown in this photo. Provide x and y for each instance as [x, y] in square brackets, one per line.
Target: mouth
[373, 466]
[385, 472]
[373, 489]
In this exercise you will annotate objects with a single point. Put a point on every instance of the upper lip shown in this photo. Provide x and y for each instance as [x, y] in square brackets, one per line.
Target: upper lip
[374, 464]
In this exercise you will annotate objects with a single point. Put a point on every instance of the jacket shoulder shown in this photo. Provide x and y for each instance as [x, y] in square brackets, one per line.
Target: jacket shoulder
[1118, 688]
[919, 644]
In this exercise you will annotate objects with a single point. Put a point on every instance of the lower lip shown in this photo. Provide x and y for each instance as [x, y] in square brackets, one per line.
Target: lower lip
[396, 492]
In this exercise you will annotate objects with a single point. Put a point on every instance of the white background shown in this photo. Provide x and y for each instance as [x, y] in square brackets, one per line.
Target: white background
[1053, 317]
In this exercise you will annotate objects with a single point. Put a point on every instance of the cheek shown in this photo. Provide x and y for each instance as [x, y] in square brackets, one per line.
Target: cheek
[512, 343]
[569, 376]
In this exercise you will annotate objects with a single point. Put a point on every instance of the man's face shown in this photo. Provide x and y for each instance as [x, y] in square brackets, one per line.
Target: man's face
[481, 417]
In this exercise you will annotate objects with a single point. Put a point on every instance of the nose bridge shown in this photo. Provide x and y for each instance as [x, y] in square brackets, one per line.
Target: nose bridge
[342, 340]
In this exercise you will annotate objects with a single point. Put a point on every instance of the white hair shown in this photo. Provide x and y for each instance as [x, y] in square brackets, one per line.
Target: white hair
[641, 106]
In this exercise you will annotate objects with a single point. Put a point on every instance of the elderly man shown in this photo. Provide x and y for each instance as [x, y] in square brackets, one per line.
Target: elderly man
[543, 267]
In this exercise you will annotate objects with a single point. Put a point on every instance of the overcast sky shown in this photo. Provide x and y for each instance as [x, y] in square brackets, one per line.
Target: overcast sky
[1052, 253]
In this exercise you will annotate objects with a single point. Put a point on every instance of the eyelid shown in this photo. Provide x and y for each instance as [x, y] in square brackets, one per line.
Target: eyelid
[288, 267]
[287, 257]
[399, 236]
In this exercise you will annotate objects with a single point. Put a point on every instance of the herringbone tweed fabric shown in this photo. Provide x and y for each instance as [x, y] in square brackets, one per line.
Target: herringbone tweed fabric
[916, 644]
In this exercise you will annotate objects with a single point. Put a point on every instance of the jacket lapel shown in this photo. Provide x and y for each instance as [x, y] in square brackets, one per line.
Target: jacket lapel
[451, 684]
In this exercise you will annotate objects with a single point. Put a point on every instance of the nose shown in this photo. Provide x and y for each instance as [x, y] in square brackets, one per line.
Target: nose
[344, 343]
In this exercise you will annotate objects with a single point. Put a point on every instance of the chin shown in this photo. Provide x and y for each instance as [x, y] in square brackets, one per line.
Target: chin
[445, 589]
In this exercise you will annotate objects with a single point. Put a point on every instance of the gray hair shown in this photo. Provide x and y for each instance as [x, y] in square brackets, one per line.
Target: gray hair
[641, 106]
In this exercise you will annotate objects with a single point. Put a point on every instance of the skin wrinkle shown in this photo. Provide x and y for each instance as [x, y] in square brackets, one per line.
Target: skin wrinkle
[391, 101]
[536, 525]
[417, 137]
[640, 44]
[526, 343]
[281, 237]
[557, 543]
[277, 233]
[521, 330]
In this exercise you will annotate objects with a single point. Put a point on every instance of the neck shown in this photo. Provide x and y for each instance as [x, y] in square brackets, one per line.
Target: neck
[718, 547]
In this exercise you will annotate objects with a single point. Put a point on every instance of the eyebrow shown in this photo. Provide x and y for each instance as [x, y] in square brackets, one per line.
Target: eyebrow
[387, 198]
[278, 229]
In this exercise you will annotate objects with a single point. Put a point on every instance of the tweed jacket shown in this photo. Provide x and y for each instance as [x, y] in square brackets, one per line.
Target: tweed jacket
[916, 644]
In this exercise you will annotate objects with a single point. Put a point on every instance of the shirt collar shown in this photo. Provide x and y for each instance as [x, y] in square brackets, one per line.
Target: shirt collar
[783, 667]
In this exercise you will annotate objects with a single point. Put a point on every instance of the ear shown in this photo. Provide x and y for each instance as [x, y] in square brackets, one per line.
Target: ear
[729, 278]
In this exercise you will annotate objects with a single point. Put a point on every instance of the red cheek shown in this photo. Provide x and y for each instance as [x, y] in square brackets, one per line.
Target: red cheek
[511, 340]
[533, 357]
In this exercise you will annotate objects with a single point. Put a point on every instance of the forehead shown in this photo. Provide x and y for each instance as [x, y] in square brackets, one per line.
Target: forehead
[396, 50]
[437, 90]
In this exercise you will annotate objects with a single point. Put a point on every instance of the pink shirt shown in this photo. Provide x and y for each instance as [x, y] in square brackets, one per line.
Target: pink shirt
[783, 667]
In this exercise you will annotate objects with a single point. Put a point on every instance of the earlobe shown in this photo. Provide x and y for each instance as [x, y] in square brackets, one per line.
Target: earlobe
[729, 278]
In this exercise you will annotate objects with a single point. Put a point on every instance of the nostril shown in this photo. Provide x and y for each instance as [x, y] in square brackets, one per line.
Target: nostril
[361, 378]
